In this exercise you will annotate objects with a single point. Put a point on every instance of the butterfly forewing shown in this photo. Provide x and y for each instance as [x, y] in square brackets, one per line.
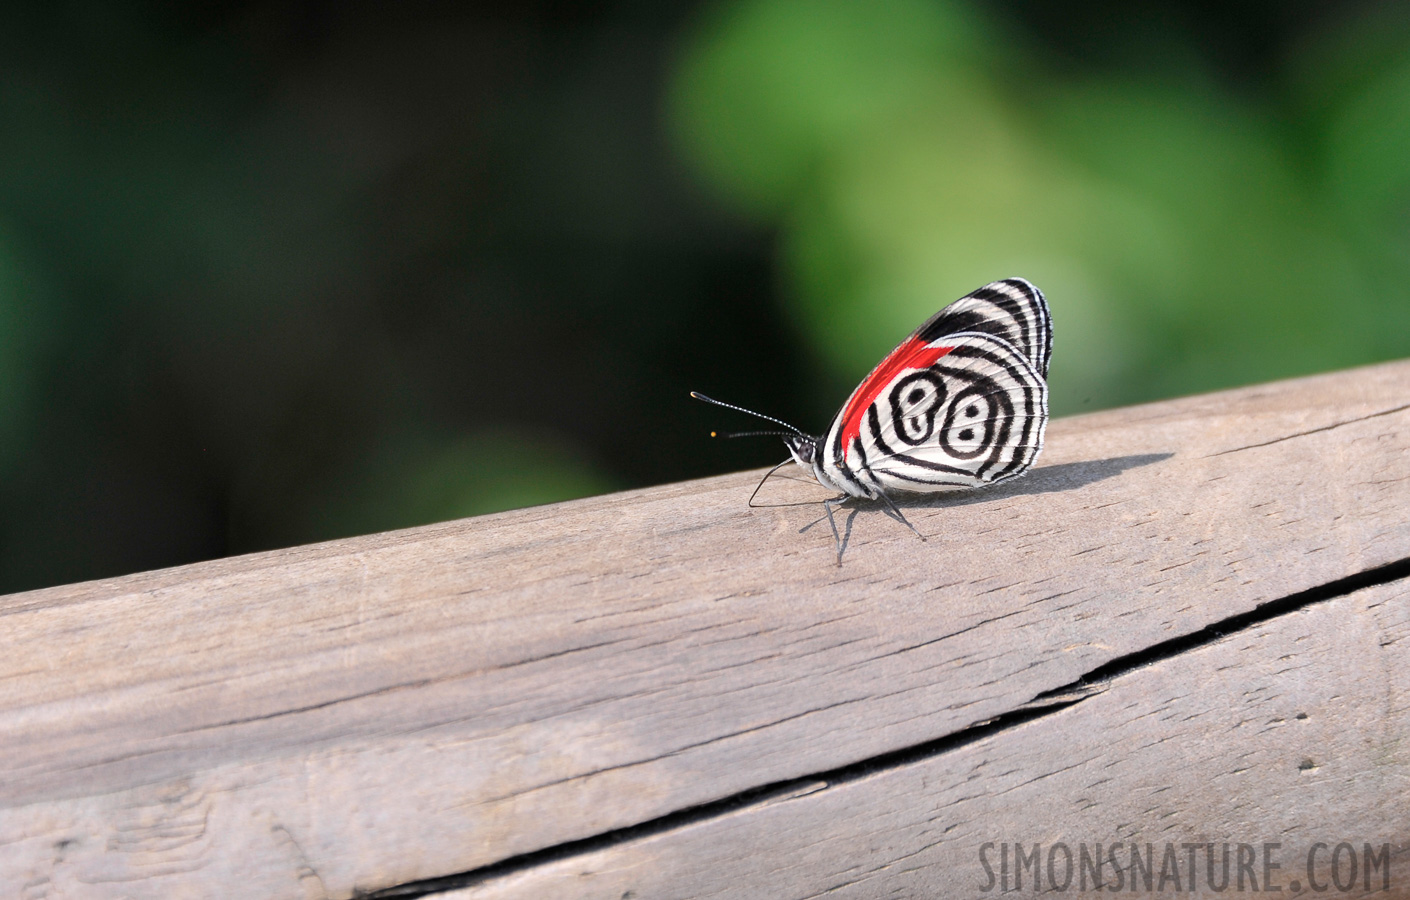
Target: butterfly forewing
[1012, 309]
[951, 407]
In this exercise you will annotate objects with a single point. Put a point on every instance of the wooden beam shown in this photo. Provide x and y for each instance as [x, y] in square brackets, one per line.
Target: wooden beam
[372, 713]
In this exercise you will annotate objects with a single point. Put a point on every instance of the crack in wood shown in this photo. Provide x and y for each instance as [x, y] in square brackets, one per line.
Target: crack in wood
[1044, 704]
[765, 794]
[1375, 415]
[1215, 631]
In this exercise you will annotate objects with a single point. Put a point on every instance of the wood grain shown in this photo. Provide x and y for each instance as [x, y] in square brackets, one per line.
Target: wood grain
[1294, 733]
[363, 714]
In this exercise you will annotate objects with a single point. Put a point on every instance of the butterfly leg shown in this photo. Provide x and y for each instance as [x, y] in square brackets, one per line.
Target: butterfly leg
[899, 517]
[760, 485]
[837, 538]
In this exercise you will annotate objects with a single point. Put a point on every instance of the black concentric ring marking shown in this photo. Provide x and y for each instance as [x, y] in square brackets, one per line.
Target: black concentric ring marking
[915, 402]
[957, 415]
[1000, 408]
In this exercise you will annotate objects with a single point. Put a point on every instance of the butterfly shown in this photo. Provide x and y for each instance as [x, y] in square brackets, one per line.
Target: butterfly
[962, 403]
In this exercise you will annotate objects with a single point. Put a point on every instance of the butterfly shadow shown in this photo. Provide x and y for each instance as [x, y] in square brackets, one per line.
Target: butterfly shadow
[1046, 480]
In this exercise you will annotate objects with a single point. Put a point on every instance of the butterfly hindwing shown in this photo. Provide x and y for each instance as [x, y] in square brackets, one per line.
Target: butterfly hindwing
[973, 417]
[962, 403]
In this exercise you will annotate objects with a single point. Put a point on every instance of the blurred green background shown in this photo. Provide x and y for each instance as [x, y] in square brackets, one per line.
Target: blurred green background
[278, 272]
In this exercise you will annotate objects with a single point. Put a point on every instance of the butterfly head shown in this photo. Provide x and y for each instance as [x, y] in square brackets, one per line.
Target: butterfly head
[803, 448]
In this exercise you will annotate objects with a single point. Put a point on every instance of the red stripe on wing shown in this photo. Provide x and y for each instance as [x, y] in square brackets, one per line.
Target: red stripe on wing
[913, 354]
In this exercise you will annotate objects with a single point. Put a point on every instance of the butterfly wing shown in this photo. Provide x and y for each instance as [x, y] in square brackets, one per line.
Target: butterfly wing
[973, 417]
[1012, 309]
[948, 410]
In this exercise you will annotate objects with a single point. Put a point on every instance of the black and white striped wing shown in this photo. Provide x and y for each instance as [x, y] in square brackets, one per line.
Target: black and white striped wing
[974, 417]
[1011, 309]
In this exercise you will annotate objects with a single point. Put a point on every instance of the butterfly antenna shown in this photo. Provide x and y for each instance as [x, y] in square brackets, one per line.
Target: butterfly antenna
[700, 396]
[735, 434]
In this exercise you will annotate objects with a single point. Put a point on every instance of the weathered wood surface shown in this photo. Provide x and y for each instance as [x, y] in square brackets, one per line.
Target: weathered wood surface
[1291, 732]
[359, 715]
